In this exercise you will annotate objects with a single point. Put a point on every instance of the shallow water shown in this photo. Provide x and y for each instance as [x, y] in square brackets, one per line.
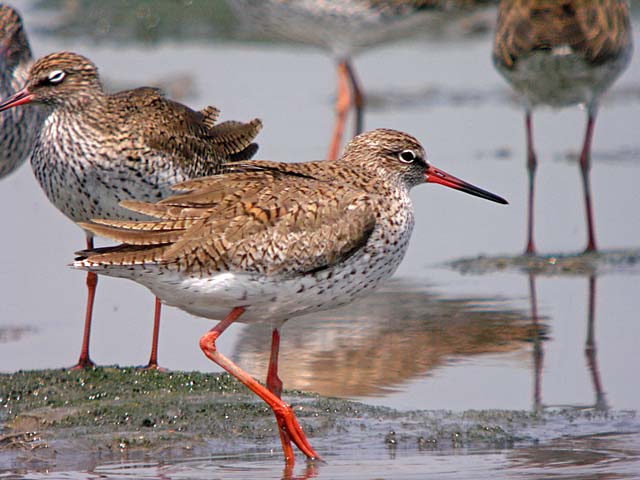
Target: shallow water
[434, 338]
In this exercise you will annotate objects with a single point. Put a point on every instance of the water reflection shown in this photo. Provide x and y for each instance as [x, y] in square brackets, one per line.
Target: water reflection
[589, 349]
[560, 54]
[371, 348]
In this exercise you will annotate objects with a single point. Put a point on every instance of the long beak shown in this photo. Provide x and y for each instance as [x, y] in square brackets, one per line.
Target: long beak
[435, 175]
[19, 98]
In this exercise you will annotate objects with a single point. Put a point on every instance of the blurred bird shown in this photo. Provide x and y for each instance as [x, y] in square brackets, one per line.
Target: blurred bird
[344, 28]
[18, 128]
[561, 53]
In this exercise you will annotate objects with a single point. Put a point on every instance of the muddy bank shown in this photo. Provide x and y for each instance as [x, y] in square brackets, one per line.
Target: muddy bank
[596, 263]
[64, 419]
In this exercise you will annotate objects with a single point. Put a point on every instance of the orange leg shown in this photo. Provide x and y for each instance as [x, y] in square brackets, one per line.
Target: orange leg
[358, 99]
[92, 282]
[343, 103]
[153, 358]
[274, 385]
[532, 165]
[285, 417]
[585, 167]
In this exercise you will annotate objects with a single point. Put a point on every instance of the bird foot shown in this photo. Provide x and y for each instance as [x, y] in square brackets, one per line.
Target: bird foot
[84, 363]
[287, 422]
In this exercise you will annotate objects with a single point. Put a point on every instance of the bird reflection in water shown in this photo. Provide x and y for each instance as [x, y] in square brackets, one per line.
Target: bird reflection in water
[560, 53]
[589, 350]
[372, 347]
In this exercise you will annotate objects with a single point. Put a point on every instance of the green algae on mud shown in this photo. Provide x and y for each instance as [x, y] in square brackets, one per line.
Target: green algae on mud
[65, 419]
[126, 408]
[592, 263]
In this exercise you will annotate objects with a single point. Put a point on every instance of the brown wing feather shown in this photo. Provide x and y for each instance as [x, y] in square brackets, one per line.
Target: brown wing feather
[186, 137]
[599, 30]
[255, 224]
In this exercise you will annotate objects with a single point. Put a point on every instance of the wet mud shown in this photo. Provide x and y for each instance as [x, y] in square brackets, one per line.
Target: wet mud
[68, 419]
[611, 261]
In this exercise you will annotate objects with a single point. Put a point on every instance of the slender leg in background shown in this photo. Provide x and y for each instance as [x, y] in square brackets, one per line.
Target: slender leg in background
[153, 358]
[358, 99]
[343, 103]
[585, 168]
[532, 165]
[92, 282]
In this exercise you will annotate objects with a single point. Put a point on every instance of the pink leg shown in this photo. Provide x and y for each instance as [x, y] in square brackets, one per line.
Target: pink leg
[153, 358]
[532, 164]
[285, 417]
[92, 282]
[358, 98]
[585, 167]
[343, 103]
[537, 345]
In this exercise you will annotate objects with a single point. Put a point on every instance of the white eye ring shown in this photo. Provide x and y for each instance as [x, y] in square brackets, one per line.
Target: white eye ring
[56, 76]
[407, 156]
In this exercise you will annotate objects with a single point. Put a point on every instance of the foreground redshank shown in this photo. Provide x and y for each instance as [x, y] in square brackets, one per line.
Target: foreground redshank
[97, 149]
[343, 27]
[560, 53]
[18, 128]
[270, 241]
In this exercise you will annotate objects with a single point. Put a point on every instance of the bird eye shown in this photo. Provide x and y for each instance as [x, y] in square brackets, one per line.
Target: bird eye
[407, 156]
[56, 76]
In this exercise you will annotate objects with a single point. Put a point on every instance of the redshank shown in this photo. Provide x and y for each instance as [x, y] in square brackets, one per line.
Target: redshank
[270, 241]
[18, 128]
[344, 28]
[97, 149]
[561, 53]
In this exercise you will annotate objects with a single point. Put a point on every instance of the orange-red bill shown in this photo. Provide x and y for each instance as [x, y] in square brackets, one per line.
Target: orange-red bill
[435, 175]
[19, 98]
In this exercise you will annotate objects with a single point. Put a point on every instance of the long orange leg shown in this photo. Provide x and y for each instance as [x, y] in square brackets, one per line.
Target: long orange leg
[343, 103]
[153, 358]
[585, 167]
[274, 384]
[532, 165]
[285, 417]
[92, 282]
[358, 98]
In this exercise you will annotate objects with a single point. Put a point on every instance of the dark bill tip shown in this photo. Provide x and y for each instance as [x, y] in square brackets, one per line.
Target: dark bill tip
[19, 98]
[435, 175]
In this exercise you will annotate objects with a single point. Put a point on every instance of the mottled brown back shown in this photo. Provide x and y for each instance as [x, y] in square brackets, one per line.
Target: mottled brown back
[256, 221]
[599, 30]
[189, 136]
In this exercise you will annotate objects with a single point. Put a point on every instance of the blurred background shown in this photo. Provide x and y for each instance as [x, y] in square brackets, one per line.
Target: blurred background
[504, 336]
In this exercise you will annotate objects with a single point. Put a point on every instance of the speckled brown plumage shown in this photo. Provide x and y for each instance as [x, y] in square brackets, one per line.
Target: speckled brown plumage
[597, 30]
[18, 128]
[97, 149]
[270, 241]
